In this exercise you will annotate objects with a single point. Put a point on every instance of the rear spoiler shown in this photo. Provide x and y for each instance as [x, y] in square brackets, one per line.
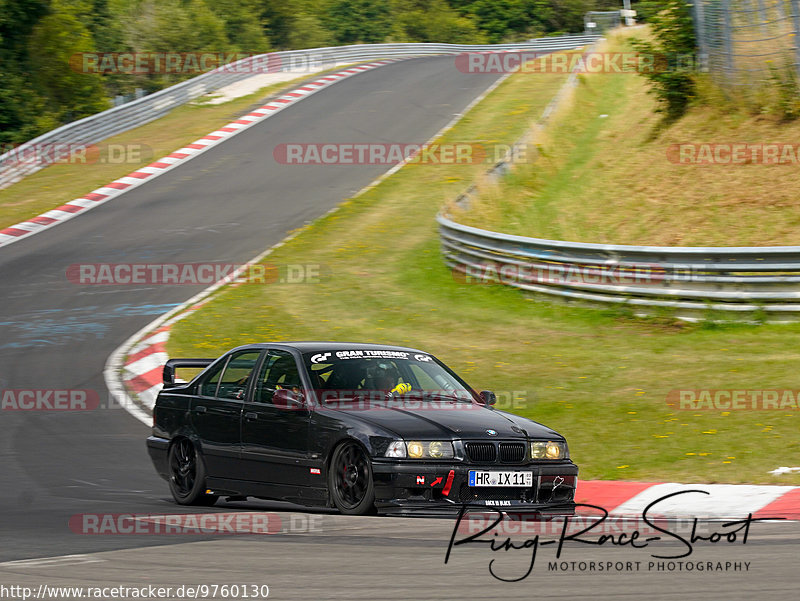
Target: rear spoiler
[173, 364]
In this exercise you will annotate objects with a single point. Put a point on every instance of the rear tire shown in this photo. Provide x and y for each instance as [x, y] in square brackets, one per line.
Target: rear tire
[350, 481]
[187, 480]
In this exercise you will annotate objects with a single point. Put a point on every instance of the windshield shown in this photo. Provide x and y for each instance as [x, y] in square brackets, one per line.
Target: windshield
[382, 374]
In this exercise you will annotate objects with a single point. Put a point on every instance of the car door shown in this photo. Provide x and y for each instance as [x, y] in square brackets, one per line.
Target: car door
[275, 432]
[217, 408]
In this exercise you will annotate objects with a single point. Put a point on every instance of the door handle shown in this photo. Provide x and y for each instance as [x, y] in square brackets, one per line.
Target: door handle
[200, 409]
[250, 416]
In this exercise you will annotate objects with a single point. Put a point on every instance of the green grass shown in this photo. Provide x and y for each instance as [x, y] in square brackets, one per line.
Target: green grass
[605, 175]
[599, 377]
[60, 183]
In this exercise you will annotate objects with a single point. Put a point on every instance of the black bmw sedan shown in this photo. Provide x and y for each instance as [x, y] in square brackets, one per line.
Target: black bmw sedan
[358, 427]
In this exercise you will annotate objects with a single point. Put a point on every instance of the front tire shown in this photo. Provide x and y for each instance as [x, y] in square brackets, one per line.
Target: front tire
[350, 480]
[187, 480]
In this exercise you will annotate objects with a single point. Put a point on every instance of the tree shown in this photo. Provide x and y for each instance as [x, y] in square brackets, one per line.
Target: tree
[21, 109]
[242, 22]
[279, 17]
[69, 94]
[562, 16]
[209, 30]
[172, 26]
[22, 115]
[672, 83]
[308, 32]
[434, 21]
[358, 21]
[17, 18]
[498, 18]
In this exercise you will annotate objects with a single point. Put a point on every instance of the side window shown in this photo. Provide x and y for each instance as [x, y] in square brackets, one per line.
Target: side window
[208, 387]
[236, 377]
[279, 371]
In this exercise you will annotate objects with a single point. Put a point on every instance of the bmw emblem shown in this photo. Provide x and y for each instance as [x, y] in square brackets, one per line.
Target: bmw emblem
[491, 432]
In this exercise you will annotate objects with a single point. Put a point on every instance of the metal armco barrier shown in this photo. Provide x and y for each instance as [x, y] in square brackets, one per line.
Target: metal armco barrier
[96, 128]
[694, 282]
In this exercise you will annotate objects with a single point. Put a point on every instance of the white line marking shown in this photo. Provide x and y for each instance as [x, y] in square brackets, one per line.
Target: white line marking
[43, 562]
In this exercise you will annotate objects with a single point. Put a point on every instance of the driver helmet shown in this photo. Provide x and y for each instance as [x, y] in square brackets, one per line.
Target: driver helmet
[383, 375]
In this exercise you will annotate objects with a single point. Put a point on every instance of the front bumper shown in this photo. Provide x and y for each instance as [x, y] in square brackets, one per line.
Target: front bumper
[403, 486]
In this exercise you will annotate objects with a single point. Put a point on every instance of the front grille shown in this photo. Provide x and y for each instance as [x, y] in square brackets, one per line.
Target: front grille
[487, 452]
[496, 493]
[512, 452]
[481, 452]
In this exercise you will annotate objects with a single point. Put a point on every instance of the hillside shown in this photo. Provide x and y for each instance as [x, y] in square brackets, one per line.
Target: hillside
[609, 172]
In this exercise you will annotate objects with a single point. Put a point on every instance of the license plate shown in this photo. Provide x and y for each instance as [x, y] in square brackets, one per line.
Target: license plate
[509, 479]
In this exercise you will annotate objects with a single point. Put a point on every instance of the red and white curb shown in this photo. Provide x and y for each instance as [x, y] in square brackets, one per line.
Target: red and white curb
[143, 366]
[118, 187]
[142, 373]
[723, 501]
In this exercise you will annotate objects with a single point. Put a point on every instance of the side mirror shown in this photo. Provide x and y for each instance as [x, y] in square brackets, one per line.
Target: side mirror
[288, 399]
[488, 397]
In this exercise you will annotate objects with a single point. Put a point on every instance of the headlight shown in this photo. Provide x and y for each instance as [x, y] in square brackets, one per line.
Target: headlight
[415, 449]
[435, 449]
[549, 450]
[396, 449]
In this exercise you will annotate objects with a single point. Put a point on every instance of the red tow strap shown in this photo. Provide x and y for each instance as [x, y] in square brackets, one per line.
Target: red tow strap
[449, 483]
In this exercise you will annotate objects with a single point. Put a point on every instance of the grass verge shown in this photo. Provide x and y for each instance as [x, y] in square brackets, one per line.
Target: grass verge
[599, 377]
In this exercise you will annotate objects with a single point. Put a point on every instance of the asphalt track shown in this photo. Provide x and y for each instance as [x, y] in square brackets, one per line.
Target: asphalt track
[229, 204]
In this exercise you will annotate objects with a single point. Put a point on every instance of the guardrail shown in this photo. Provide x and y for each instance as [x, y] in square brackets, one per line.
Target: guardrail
[692, 281]
[96, 128]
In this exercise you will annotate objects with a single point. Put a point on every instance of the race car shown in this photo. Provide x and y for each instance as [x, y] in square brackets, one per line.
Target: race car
[358, 427]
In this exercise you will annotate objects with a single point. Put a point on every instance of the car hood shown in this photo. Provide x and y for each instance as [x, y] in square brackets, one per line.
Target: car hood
[459, 421]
